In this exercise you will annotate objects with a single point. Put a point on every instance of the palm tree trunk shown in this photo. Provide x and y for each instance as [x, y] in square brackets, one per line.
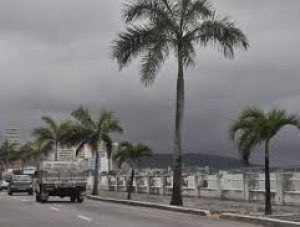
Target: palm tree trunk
[6, 161]
[177, 157]
[96, 175]
[246, 159]
[268, 208]
[131, 184]
[56, 158]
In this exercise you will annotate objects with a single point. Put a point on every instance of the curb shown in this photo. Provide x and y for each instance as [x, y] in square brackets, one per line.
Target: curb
[151, 205]
[269, 222]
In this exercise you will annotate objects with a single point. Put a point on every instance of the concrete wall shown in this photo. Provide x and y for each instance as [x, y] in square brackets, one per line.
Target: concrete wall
[285, 186]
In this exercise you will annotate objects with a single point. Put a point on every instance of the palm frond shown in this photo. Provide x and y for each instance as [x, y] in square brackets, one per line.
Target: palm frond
[108, 144]
[153, 60]
[222, 33]
[196, 10]
[152, 10]
[108, 123]
[132, 42]
[43, 134]
[143, 150]
[91, 139]
[83, 116]
[279, 118]
[189, 54]
[50, 122]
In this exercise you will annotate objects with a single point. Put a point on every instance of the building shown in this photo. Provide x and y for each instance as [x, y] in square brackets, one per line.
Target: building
[11, 134]
[65, 153]
[107, 164]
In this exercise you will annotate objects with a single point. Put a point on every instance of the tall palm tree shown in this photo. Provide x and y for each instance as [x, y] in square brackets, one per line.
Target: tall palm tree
[178, 26]
[254, 127]
[8, 152]
[94, 133]
[53, 133]
[130, 154]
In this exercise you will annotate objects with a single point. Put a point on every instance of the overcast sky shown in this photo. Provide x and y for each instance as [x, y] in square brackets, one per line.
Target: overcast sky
[54, 55]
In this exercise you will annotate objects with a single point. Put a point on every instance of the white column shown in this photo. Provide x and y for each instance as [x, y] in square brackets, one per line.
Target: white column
[161, 189]
[246, 179]
[220, 185]
[148, 184]
[279, 196]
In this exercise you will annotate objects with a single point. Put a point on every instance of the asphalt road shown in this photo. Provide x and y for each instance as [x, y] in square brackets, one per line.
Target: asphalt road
[22, 211]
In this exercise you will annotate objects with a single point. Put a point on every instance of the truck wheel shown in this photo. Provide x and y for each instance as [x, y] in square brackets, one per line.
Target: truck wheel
[80, 200]
[37, 198]
[73, 199]
[44, 200]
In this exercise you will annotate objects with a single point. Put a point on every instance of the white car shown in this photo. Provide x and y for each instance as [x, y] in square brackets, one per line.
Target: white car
[5, 181]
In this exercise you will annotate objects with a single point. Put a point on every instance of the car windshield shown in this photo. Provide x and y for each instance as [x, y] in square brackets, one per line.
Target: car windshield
[7, 177]
[22, 178]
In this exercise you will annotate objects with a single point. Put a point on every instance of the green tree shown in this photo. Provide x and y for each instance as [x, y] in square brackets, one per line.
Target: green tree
[34, 150]
[130, 154]
[53, 133]
[254, 127]
[178, 26]
[8, 152]
[87, 131]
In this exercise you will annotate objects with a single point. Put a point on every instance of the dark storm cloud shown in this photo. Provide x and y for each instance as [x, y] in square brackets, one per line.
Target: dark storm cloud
[54, 55]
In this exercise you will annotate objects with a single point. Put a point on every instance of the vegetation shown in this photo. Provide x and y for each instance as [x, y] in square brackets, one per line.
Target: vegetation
[180, 26]
[130, 154]
[94, 133]
[254, 127]
[33, 150]
[8, 152]
[53, 133]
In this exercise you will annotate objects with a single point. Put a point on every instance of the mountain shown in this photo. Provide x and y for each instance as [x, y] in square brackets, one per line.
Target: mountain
[163, 161]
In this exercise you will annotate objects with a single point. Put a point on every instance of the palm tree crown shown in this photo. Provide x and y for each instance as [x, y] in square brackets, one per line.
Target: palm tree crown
[254, 127]
[130, 153]
[91, 132]
[34, 150]
[53, 133]
[173, 25]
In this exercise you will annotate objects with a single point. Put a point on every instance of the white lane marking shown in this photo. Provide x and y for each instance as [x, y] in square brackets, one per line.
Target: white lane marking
[54, 208]
[84, 218]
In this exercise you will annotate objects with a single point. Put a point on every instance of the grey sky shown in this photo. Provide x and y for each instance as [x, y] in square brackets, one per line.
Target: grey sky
[54, 55]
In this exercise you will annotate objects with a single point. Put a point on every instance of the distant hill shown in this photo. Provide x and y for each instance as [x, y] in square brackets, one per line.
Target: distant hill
[163, 161]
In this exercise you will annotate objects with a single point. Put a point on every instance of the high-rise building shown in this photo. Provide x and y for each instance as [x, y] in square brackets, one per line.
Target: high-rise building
[11, 134]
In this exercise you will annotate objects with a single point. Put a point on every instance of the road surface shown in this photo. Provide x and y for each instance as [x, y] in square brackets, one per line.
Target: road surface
[22, 210]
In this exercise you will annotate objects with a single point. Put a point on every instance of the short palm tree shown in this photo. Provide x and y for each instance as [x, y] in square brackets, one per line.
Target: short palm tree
[254, 127]
[8, 152]
[177, 26]
[130, 154]
[34, 150]
[87, 131]
[53, 133]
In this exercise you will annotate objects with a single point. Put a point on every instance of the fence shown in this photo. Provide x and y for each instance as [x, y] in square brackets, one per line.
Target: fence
[285, 186]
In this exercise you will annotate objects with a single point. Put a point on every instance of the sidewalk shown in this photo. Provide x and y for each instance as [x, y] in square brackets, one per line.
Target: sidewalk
[215, 206]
